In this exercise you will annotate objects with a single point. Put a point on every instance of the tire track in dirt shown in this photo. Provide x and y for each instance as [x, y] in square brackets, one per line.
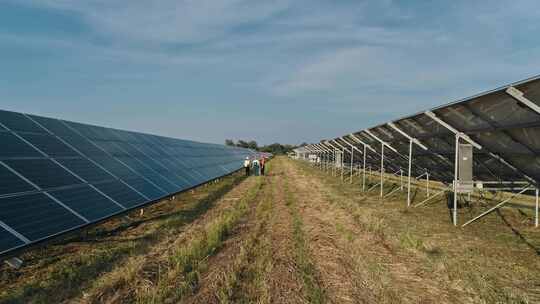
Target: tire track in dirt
[286, 286]
[258, 264]
[215, 284]
[353, 267]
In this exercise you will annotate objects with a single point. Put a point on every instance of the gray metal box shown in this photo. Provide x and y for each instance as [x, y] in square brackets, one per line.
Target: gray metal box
[465, 169]
[339, 155]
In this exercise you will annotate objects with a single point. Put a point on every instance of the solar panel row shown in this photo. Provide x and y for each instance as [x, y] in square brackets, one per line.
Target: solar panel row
[57, 176]
[504, 123]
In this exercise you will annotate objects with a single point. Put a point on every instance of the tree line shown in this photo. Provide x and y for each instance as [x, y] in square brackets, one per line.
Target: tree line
[275, 148]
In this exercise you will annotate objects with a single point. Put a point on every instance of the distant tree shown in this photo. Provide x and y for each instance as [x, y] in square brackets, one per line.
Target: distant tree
[275, 148]
[242, 144]
[253, 145]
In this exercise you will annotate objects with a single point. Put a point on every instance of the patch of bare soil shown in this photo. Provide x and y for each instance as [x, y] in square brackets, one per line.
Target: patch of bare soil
[356, 266]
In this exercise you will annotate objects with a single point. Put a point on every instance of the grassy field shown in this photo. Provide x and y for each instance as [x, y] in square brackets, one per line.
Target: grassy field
[296, 235]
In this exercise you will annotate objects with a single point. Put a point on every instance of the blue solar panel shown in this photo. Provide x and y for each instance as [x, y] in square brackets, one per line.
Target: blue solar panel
[85, 169]
[150, 175]
[146, 188]
[36, 216]
[11, 183]
[12, 146]
[87, 202]
[114, 167]
[84, 146]
[121, 193]
[49, 145]
[43, 172]
[57, 176]
[18, 122]
[8, 240]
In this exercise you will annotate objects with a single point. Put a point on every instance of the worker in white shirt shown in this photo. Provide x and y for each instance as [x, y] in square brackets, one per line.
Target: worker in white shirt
[247, 165]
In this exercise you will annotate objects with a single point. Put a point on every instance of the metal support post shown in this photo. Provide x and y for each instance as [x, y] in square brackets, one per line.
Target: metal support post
[352, 164]
[536, 210]
[499, 205]
[364, 171]
[382, 169]
[409, 177]
[427, 184]
[454, 214]
[342, 163]
[14, 263]
[400, 179]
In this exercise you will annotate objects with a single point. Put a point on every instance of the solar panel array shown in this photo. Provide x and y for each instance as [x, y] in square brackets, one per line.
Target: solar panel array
[58, 176]
[505, 122]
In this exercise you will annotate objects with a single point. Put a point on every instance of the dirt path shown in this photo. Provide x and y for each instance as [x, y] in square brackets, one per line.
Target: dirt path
[257, 265]
[355, 265]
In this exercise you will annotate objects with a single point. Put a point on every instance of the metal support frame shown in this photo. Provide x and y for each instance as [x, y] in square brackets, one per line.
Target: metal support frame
[353, 147]
[522, 186]
[334, 167]
[518, 95]
[382, 170]
[366, 146]
[459, 135]
[373, 187]
[342, 157]
[383, 144]
[411, 141]
[430, 198]
[499, 205]
[14, 262]
[536, 210]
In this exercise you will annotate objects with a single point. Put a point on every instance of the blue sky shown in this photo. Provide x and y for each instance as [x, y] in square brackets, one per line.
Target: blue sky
[274, 70]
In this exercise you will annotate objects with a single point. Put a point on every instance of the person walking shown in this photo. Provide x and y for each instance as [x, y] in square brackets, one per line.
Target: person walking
[247, 165]
[263, 163]
[256, 167]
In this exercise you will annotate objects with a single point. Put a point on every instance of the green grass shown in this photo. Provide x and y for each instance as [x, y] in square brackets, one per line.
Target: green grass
[313, 291]
[61, 275]
[181, 276]
[491, 261]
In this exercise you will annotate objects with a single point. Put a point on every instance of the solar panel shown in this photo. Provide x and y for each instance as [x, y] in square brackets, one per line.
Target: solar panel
[8, 240]
[13, 146]
[11, 183]
[87, 202]
[43, 172]
[507, 129]
[37, 216]
[58, 176]
[503, 126]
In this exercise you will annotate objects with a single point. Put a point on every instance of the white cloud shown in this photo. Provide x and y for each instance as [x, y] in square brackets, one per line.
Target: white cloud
[186, 21]
[343, 57]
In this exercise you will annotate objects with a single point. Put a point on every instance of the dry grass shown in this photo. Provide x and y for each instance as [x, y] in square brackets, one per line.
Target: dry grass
[258, 266]
[492, 261]
[62, 270]
[176, 272]
[313, 291]
[294, 236]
